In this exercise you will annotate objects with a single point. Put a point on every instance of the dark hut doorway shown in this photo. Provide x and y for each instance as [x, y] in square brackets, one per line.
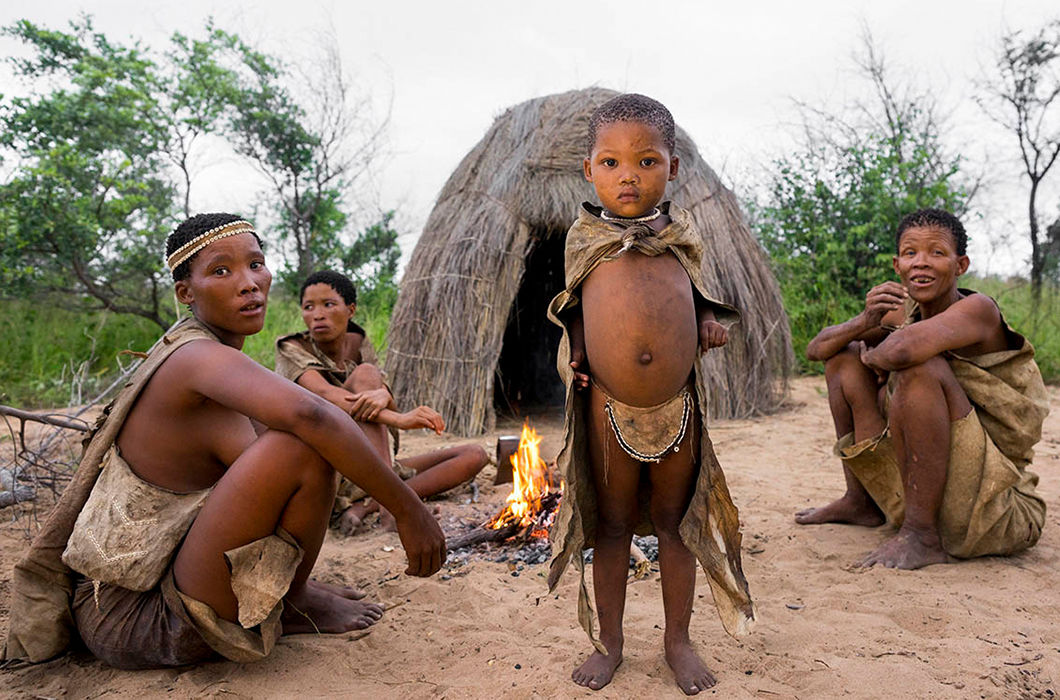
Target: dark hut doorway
[526, 380]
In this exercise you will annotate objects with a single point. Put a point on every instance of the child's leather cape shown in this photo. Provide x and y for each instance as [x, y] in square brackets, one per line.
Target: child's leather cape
[711, 525]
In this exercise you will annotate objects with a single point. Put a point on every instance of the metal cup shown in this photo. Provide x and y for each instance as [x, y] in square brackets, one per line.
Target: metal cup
[507, 445]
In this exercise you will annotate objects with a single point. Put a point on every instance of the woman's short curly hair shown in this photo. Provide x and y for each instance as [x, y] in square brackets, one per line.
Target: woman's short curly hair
[934, 218]
[336, 280]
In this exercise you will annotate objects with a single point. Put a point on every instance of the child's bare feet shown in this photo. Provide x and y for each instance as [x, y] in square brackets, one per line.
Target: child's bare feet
[315, 607]
[598, 670]
[908, 549]
[847, 509]
[691, 673]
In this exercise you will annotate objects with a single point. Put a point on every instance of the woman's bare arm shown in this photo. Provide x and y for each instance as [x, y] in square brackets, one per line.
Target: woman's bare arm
[881, 300]
[232, 379]
[974, 319]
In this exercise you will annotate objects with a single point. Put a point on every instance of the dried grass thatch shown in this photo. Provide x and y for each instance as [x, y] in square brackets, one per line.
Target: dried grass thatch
[519, 188]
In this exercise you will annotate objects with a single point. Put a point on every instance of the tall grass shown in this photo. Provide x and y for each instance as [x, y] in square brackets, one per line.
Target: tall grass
[1041, 326]
[54, 356]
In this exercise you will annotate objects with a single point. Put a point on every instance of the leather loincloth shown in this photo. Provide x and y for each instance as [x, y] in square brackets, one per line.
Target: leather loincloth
[647, 434]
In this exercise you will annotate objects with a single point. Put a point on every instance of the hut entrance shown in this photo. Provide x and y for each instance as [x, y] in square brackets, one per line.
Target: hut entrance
[526, 379]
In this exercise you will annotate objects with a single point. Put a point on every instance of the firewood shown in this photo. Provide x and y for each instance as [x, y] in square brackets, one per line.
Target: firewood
[480, 535]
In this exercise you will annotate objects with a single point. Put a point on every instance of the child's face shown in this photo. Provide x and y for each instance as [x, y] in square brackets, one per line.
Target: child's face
[927, 262]
[629, 166]
[325, 312]
[228, 287]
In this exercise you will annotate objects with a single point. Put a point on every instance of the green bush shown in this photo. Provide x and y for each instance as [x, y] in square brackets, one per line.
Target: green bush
[1041, 327]
[55, 356]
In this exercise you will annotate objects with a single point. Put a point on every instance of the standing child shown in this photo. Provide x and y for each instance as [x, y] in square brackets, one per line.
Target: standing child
[636, 456]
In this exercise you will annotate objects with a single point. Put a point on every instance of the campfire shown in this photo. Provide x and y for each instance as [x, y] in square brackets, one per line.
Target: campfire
[530, 506]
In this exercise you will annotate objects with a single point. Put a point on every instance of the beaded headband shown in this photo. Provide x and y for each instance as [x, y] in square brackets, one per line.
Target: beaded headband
[196, 244]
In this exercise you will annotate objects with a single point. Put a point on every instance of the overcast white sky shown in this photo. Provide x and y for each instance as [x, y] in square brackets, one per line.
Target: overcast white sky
[728, 71]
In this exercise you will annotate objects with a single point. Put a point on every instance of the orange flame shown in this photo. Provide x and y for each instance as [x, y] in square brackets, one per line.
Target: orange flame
[531, 482]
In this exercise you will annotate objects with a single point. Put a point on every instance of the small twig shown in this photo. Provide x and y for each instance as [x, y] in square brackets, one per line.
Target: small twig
[63, 422]
[1037, 657]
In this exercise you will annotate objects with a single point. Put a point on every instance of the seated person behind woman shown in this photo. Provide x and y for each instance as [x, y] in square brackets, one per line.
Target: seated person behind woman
[334, 359]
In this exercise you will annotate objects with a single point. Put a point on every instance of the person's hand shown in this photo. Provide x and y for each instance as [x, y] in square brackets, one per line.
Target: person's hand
[882, 299]
[580, 364]
[423, 541]
[712, 335]
[366, 405]
[421, 417]
[865, 353]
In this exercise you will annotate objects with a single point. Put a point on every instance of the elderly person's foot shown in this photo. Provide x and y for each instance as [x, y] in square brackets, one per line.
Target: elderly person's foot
[908, 549]
[850, 509]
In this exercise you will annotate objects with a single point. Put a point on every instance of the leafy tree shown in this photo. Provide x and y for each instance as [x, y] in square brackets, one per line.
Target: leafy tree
[198, 89]
[371, 261]
[1052, 250]
[830, 210]
[312, 151]
[103, 150]
[90, 202]
[1024, 98]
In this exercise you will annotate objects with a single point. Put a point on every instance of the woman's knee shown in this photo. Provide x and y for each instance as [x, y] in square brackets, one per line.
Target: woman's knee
[294, 457]
[474, 458]
[935, 370]
[843, 360]
[364, 377]
[933, 376]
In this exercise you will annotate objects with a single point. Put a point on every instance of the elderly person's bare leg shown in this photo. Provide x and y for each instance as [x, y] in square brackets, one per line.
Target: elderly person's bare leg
[853, 391]
[927, 399]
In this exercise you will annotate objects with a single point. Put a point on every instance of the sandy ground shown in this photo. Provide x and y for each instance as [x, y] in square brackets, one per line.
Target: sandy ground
[987, 628]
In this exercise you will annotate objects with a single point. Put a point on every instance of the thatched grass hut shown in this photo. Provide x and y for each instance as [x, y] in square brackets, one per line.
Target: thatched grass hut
[469, 334]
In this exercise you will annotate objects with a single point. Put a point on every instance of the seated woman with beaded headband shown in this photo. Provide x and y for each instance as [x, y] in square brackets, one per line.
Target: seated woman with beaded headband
[202, 499]
[334, 359]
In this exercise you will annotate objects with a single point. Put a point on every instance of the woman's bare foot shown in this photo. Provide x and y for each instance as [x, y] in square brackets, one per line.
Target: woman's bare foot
[339, 590]
[851, 509]
[386, 520]
[691, 673]
[908, 549]
[350, 521]
[597, 671]
[314, 607]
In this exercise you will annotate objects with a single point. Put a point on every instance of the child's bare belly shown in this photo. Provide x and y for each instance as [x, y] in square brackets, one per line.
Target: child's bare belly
[641, 337]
